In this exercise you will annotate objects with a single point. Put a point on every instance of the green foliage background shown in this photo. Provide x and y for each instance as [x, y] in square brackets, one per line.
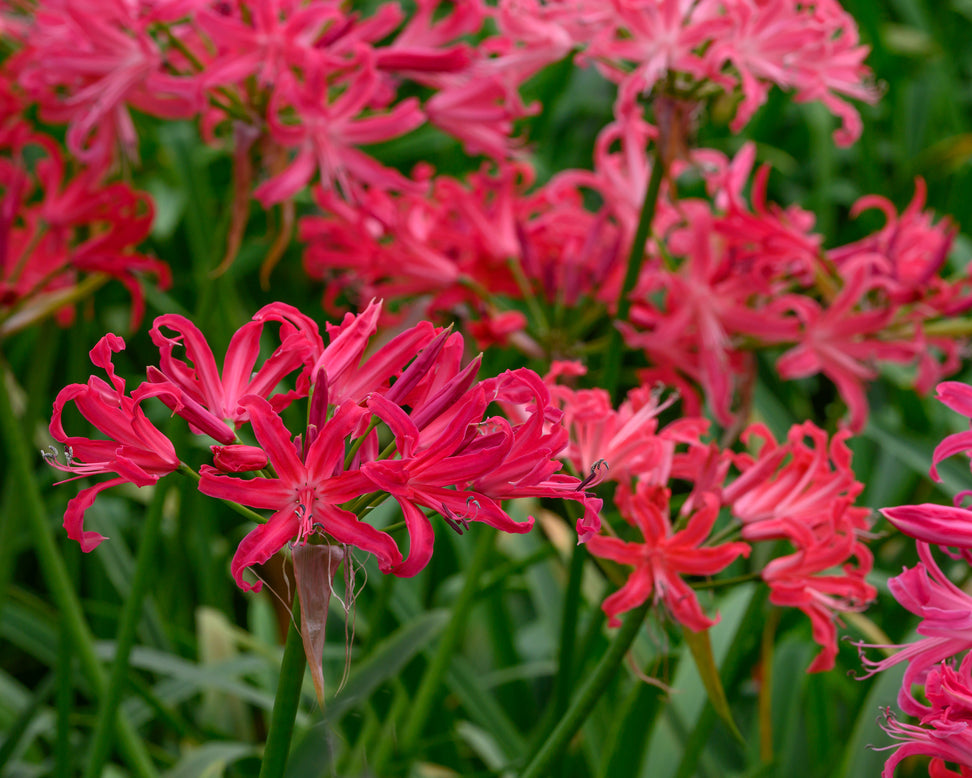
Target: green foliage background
[204, 668]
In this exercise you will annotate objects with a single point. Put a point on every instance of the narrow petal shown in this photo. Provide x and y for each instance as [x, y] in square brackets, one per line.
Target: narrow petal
[263, 542]
[274, 437]
[74, 515]
[420, 539]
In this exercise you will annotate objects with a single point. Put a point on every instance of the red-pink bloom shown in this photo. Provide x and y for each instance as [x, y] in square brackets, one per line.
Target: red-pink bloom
[842, 341]
[531, 466]
[687, 320]
[306, 493]
[55, 226]
[206, 398]
[912, 250]
[945, 730]
[433, 471]
[945, 629]
[628, 441]
[819, 580]
[134, 449]
[664, 555]
[945, 525]
[265, 39]
[328, 131]
[86, 62]
[793, 484]
[804, 494]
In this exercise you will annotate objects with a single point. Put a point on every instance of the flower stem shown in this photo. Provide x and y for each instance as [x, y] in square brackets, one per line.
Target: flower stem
[636, 258]
[145, 566]
[285, 702]
[583, 704]
[58, 582]
[431, 684]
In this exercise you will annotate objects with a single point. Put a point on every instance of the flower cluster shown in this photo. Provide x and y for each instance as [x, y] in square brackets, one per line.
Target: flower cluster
[60, 225]
[722, 279]
[409, 421]
[800, 492]
[937, 685]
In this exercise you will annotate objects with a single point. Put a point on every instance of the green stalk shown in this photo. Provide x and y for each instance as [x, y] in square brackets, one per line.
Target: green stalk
[57, 580]
[285, 702]
[568, 636]
[590, 693]
[64, 759]
[431, 685]
[636, 258]
[145, 568]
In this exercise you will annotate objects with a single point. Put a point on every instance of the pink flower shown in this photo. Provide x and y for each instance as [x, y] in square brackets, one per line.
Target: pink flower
[628, 441]
[945, 731]
[208, 399]
[945, 629]
[664, 556]
[306, 493]
[134, 450]
[841, 340]
[86, 62]
[793, 484]
[819, 580]
[804, 494]
[946, 525]
[328, 131]
[434, 470]
[54, 227]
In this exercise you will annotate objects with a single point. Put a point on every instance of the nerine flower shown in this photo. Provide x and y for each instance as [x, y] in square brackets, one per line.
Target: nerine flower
[664, 556]
[946, 525]
[945, 731]
[305, 494]
[449, 456]
[134, 449]
[945, 629]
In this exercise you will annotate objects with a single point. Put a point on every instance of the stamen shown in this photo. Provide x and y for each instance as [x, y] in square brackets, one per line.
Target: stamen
[594, 476]
[457, 523]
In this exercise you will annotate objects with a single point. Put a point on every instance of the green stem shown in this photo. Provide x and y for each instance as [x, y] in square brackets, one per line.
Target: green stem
[146, 565]
[590, 693]
[431, 685]
[568, 629]
[57, 580]
[285, 702]
[636, 258]
[240, 509]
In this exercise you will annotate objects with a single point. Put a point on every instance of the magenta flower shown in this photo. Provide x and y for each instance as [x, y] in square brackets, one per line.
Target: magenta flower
[819, 580]
[328, 134]
[664, 556]
[306, 493]
[87, 62]
[945, 629]
[945, 731]
[206, 398]
[793, 484]
[433, 471]
[135, 450]
[947, 525]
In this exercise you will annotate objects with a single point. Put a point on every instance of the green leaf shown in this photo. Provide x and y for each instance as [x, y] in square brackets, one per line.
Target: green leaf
[210, 760]
[701, 648]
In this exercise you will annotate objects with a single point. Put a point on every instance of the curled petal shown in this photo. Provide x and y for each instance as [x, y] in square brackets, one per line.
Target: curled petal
[263, 542]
